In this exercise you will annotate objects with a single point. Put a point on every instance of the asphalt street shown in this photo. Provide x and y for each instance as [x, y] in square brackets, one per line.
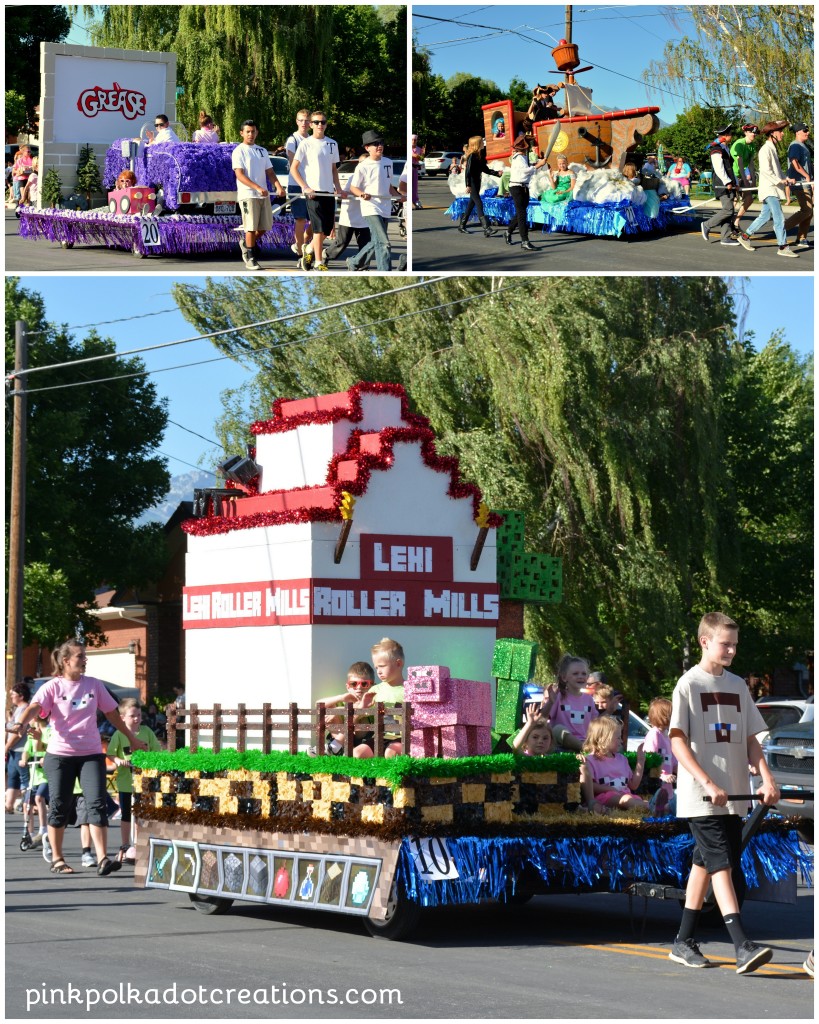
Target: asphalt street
[438, 246]
[84, 938]
[40, 256]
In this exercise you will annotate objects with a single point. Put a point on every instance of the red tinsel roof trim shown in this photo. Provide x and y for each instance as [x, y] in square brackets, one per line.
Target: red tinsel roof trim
[363, 461]
[332, 408]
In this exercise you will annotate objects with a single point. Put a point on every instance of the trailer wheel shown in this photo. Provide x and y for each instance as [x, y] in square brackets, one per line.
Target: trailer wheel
[402, 917]
[210, 904]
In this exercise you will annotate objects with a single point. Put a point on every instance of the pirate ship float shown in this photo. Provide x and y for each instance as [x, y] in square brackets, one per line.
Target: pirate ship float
[596, 143]
[345, 524]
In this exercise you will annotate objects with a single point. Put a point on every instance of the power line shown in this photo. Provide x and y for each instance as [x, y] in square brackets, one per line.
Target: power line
[228, 330]
[282, 344]
[101, 323]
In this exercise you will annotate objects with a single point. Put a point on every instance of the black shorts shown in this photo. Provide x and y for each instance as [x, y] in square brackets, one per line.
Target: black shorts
[718, 841]
[322, 213]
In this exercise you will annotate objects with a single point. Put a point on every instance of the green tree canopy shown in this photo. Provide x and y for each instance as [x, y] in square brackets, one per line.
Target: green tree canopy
[267, 61]
[693, 132]
[607, 409]
[92, 467]
[755, 56]
[28, 25]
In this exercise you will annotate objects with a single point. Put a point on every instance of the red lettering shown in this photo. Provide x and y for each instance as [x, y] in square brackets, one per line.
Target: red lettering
[128, 102]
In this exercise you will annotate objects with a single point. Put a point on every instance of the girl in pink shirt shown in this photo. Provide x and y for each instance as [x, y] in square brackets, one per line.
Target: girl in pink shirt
[605, 776]
[567, 705]
[72, 699]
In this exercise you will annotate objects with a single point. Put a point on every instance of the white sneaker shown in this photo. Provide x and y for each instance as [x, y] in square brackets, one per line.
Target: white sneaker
[320, 266]
[294, 248]
[787, 251]
[801, 243]
[88, 860]
[47, 854]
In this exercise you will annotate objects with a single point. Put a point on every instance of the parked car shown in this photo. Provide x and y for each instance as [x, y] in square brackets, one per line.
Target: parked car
[789, 752]
[779, 712]
[439, 163]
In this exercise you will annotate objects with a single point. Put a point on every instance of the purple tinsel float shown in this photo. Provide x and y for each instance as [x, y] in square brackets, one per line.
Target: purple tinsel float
[179, 234]
[176, 167]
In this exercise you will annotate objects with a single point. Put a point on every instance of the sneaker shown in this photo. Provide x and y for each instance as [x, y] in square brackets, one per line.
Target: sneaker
[687, 952]
[745, 241]
[307, 257]
[47, 854]
[130, 855]
[294, 248]
[88, 860]
[250, 262]
[320, 266]
[349, 264]
[786, 250]
[801, 243]
[704, 231]
[807, 966]
[750, 956]
[730, 241]
[36, 840]
[243, 247]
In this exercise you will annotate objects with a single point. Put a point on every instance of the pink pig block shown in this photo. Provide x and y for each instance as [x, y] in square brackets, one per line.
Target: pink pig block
[450, 717]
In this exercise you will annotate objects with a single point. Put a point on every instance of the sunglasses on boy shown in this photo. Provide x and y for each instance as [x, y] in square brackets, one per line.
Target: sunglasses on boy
[362, 684]
[318, 122]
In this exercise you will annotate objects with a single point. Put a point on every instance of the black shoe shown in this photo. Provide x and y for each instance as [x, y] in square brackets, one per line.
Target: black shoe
[750, 956]
[507, 237]
[527, 247]
[687, 952]
[462, 228]
[489, 231]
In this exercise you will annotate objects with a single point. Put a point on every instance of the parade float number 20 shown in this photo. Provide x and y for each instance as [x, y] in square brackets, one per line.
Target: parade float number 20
[345, 526]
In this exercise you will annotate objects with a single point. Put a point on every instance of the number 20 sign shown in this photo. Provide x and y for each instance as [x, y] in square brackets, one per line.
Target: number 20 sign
[149, 229]
[433, 861]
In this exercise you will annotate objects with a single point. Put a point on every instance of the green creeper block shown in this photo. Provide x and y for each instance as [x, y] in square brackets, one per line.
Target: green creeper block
[525, 576]
[508, 706]
[514, 659]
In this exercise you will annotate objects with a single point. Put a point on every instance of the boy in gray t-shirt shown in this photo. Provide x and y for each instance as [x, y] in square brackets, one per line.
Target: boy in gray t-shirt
[714, 723]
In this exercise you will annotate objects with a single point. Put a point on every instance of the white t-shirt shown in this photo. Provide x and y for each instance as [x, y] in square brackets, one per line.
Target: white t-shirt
[254, 161]
[350, 214]
[291, 146]
[316, 158]
[375, 178]
[164, 135]
[718, 715]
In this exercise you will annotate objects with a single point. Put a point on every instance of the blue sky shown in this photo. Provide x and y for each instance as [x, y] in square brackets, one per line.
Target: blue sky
[622, 38]
[194, 393]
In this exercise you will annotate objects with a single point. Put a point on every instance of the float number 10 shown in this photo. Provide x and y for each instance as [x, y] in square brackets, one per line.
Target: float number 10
[432, 858]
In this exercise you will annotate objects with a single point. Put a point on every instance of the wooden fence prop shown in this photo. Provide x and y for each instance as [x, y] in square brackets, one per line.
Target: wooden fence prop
[189, 726]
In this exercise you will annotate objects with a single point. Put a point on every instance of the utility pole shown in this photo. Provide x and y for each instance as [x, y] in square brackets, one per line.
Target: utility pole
[17, 511]
[568, 32]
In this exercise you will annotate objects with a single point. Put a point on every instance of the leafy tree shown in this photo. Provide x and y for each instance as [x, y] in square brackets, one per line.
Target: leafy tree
[91, 463]
[466, 95]
[693, 132]
[15, 111]
[609, 412]
[520, 94]
[429, 102]
[28, 25]
[749, 55]
[88, 173]
[267, 61]
[49, 615]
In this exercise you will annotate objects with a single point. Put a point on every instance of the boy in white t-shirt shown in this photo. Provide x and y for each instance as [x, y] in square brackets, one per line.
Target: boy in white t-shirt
[372, 183]
[298, 206]
[315, 171]
[713, 729]
[253, 169]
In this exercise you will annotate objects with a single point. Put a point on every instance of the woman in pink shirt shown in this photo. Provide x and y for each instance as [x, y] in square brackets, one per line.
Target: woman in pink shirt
[74, 750]
[207, 131]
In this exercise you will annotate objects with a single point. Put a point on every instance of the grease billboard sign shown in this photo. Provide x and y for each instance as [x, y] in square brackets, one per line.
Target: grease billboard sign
[99, 100]
[405, 581]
